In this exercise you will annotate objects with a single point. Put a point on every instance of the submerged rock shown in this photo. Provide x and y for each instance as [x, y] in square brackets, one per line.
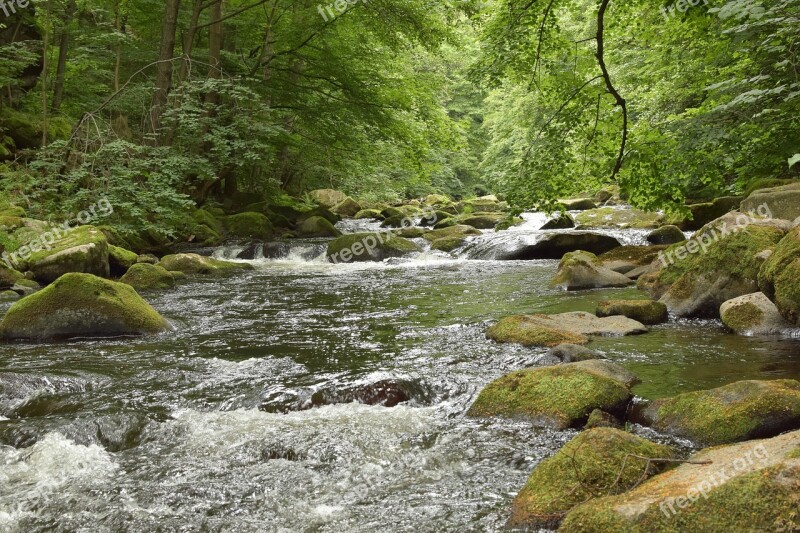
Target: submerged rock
[739, 411]
[147, 277]
[751, 486]
[596, 463]
[627, 258]
[571, 353]
[559, 397]
[555, 245]
[199, 264]
[753, 314]
[81, 305]
[369, 247]
[645, 311]
[581, 270]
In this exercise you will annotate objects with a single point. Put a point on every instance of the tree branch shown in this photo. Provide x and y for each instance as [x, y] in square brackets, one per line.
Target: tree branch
[620, 101]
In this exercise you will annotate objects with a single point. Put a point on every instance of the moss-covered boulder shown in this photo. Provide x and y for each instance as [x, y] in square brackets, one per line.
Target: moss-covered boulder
[647, 312]
[390, 212]
[84, 249]
[598, 462]
[369, 214]
[715, 265]
[753, 314]
[432, 218]
[780, 202]
[555, 245]
[347, 208]
[205, 217]
[559, 397]
[666, 235]
[9, 277]
[436, 199]
[323, 212]
[410, 233]
[779, 277]
[369, 247]
[317, 227]
[704, 213]
[627, 258]
[560, 221]
[601, 419]
[147, 277]
[752, 486]
[482, 220]
[581, 270]
[739, 411]
[327, 197]
[578, 204]
[484, 205]
[199, 264]
[612, 217]
[458, 230]
[120, 260]
[552, 330]
[445, 223]
[571, 353]
[396, 222]
[81, 305]
[249, 225]
[448, 244]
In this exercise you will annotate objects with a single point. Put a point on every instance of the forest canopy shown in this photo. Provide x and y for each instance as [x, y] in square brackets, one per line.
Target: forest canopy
[165, 104]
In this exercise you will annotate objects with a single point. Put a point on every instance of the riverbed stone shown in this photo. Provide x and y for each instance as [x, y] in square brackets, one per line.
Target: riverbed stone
[458, 230]
[356, 247]
[626, 258]
[9, 277]
[552, 330]
[317, 227]
[447, 244]
[780, 202]
[555, 245]
[482, 220]
[327, 197]
[669, 234]
[578, 204]
[369, 214]
[779, 277]
[581, 270]
[647, 312]
[572, 353]
[612, 217]
[598, 462]
[249, 225]
[84, 249]
[347, 208]
[120, 259]
[561, 221]
[703, 213]
[559, 397]
[199, 264]
[735, 412]
[146, 277]
[750, 486]
[753, 314]
[81, 305]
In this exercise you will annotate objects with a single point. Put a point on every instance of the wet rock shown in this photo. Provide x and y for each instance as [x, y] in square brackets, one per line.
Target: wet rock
[555, 245]
[410, 233]
[458, 230]
[611, 217]
[147, 258]
[571, 353]
[562, 221]
[24, 287]
[552, 330]
[347, 208]
[447, 244]
[120, 260]
[578, 204]
[601, 419]
[486, 205]
[782, 202]
[627, 258]
[386, 392]
[8, 296]
[396, 222]
[559, 396]
[750, 486]
[199, 264]
[483, 220]
[81, 305]
[779, 276]
[368, 247]
[647, 312]
[753, 314]
[392, 212]
[327, 197]
[707, 212]
[249, 225]
[666, 235]
[9, 277]
[147, 277]
[317, 227]
[84, 249]
[581, 270]
[739, 411]
[369, 214]
[319, 212]
[598, 462]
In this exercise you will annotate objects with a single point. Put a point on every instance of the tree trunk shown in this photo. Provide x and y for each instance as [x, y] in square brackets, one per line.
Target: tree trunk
[45, 44]
[188, 40]
[164, 66]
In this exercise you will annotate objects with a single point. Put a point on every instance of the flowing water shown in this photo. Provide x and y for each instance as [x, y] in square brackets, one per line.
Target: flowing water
[244, 419]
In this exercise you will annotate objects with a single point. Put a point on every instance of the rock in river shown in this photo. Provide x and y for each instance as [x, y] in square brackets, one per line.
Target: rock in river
[552, 330]
[555, 245]
[644, 311]
[753, 314]
[582, 270]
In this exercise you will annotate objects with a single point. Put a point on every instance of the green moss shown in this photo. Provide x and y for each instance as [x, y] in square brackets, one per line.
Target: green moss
[9, 276]
[145, 277]
[249, 225]
[735, 412]
[198, 264]
[765, 500]
[641, 255]
[317, 227]
[787, 292]
[559, 396]
[609, 217]
[81, 304]
[452, 231]
[368, 214]
[598, 462]
[743, 317]
[26, 129]
[447, 244]
[201, 216]
[647, 312]
[520, 329]
[120, 259]
[84, 249]
[369, 247]
[766, 183]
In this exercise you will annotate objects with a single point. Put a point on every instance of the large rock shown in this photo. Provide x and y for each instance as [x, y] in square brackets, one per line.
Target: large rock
[581, 270]
[199, 264]
[779, 277]
[559, 397]
[781, 202]
[369, 247]
[9, 277]
[347, 208]
[81, 305]
[717, 264]
[459, 230]
[627, 258]
[555, 245]
[369, 214]
[598, 462]
[327, 197]
[486, 204]
[317, 227]
[611, 217]
[707, 212]
[752, 486]
[483, 220]
[645, 311]
[249, 225]
[120, 260]
[146, 277]
[753, 314]
[666, 235]
[560, 221]
[84, 249]
[739, 411]
[578, 204]
[552, 330]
